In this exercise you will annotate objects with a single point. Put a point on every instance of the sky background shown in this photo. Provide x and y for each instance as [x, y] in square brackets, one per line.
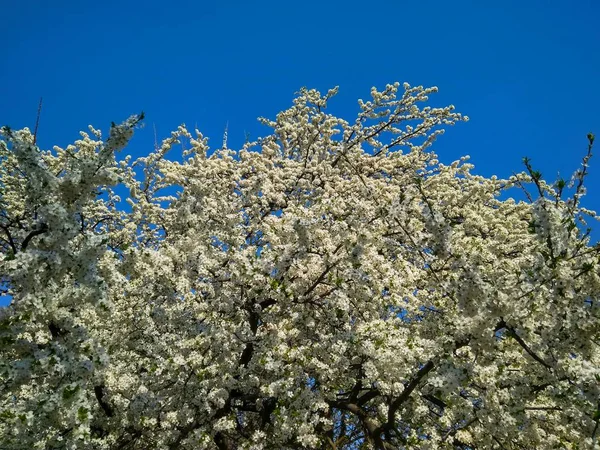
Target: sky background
[524, 71]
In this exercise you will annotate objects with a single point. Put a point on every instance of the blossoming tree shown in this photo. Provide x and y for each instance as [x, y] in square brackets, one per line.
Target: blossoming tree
[330, 286]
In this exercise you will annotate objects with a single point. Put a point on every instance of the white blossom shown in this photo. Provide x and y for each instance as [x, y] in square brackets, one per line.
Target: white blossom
[332, 285]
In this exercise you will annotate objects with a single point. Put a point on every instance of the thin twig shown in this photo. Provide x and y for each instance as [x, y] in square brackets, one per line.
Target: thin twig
[37, 121]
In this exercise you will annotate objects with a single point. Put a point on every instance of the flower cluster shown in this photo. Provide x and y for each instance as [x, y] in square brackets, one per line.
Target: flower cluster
[332, 285]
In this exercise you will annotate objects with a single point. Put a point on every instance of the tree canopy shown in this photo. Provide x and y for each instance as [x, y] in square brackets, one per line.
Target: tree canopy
[332, 285]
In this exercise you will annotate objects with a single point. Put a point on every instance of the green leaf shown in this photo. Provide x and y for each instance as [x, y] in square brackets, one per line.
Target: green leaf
[7, 340]
[82, 414]
[69, 392]
[6, 414]
[587, 267]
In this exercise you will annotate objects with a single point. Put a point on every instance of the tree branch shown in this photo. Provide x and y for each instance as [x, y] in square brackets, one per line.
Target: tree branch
[41, 230]
[410, 387]
[100, 393]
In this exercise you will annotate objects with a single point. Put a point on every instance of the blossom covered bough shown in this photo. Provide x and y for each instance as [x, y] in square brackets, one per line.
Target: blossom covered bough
[331, 286]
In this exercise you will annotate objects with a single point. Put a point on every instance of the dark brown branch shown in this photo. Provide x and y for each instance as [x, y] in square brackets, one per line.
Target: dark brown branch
[543, 408]
[10, 239]
[372, 430]
[436, 401]
[269, 405]
[266, 303]
[41, 230]
[374, 393]
[319, 279]
[247, 354]
[525, 347]
[410, 387]
[55, 330]
[100, 393]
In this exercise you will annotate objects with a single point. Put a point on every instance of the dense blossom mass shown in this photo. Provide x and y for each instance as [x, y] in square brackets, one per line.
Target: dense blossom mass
[332, 285]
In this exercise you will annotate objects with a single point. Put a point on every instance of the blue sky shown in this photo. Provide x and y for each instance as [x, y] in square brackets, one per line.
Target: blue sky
[525, 72]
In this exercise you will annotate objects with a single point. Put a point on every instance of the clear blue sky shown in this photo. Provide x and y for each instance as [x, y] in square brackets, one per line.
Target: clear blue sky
[526, 72]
